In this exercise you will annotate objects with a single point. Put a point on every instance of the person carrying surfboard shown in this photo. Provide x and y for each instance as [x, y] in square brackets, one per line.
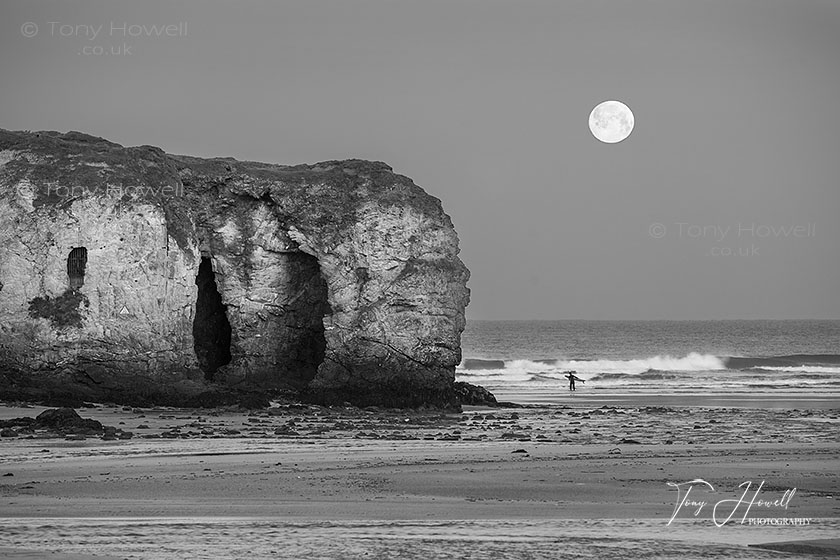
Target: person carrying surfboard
[572, 378]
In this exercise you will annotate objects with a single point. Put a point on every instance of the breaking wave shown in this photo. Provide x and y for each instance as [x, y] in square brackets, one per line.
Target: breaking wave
[801, 369]
[692, 362]
[773, 362]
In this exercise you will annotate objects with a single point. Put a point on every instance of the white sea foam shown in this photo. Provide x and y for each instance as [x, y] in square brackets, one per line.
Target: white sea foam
[519, 368]
[692, 362]
[802, 369]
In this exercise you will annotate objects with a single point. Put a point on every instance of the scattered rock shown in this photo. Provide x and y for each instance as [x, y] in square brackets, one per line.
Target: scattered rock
[473, 395]
[656, 409]
[24, 422]
[515, 435]
[66, 420]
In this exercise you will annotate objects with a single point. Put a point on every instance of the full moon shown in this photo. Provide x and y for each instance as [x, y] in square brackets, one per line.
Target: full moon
[611, 121]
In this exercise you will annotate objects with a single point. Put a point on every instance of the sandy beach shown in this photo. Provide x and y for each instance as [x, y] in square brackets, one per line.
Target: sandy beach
[550, 471]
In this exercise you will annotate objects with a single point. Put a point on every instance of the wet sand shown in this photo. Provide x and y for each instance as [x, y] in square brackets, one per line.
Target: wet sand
[22, 554]
[552, 463]
[788, 400]
[819, 547]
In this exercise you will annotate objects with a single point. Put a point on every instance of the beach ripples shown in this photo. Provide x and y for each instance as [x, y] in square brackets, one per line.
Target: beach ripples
[231, 538]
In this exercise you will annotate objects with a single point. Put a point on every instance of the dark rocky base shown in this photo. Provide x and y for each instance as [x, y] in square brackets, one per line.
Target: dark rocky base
[387, 397]
[68, 397]
[63, 391]
[66, 391]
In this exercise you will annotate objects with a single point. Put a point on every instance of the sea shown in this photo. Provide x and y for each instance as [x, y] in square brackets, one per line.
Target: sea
[527, 361]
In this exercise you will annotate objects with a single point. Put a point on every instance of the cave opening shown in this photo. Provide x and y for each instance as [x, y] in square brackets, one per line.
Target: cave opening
[303, 314]
[76, 263]
[211, 328]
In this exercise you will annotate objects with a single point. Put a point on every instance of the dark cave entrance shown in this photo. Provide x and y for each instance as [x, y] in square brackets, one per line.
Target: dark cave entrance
[211, 328]
[303, 317]
[76, 264]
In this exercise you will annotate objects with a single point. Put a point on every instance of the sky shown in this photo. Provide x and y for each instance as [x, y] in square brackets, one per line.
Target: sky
[721, 204]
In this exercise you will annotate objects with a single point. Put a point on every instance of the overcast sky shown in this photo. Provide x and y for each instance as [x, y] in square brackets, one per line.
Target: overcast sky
[485, 105]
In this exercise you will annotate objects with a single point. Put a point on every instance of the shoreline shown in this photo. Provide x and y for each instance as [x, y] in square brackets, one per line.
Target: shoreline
[828, 401]
[534, 470]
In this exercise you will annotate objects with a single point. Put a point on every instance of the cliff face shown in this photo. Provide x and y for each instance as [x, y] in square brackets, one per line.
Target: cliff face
[132, 275]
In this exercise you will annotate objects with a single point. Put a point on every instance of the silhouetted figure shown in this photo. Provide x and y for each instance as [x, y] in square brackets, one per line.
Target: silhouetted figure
[572, 378]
